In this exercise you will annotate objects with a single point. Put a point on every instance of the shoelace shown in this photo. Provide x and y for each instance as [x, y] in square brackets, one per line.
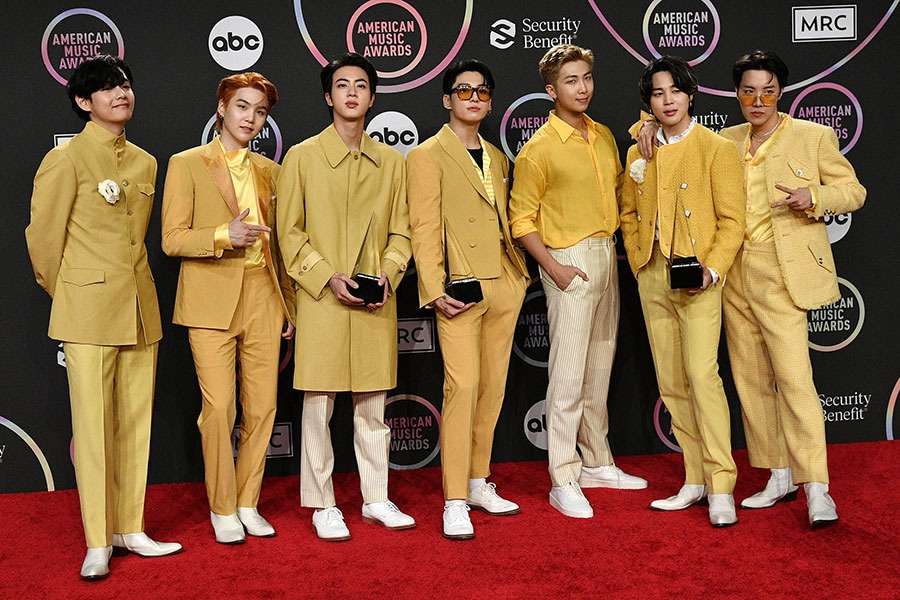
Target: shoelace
[489, 490]
[332, 516]
[457, 512]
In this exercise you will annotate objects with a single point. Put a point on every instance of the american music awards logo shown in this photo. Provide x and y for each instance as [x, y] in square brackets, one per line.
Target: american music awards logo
[406, 48]
[662, 424]
[415, 426]
[21, 456]
[531, 339]
[75, 36]
[521, 119]
[687, 28]
[834, 106]
[835, 326]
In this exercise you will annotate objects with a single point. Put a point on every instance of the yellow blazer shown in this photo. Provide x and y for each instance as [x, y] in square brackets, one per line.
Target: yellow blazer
[805, 154]
[705, 172]
[88, 254]
[198, 197]
[443, 184]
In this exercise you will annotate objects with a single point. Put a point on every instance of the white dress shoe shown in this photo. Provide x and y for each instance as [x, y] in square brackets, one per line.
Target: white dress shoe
[688, 495]
[228, 528]
[721, 510]
[779, 488]
[96, 563]
[822, 511]
[483, 496]
[457, 525]
[141, 544]
[329, 524]
[610, 476]
[254, 523]
[386, 514]
[570, 501]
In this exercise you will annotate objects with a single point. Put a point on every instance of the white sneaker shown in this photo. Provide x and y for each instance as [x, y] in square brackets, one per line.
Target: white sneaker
[228, 528]
[484, 497]
[254, 523]
[457, 525]
[386, 514]
[570, 501]
[329, 524]
[610, 476]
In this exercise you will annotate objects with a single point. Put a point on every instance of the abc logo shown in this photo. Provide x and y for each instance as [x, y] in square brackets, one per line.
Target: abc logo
[236, 43]
[838, 226]
[394, 129]
[503, 34]
[536, 425]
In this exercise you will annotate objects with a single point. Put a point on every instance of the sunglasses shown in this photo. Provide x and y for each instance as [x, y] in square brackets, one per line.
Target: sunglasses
[748, 98]
[464, 92]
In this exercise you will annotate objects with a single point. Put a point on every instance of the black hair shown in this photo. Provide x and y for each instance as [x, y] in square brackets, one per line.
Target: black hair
[350, 59]
[762, 60]
[102, 72]
[682, 75]
[465, 66]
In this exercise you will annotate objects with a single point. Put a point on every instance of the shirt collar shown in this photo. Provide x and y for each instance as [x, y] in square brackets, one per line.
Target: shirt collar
[336, 150]
[103, 136]
[565, 131]
[661, 137]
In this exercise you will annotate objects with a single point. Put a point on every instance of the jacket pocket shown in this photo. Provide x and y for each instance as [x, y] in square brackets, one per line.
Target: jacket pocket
[146, 189]
[81, 277]
[822, 255]
[800, 170]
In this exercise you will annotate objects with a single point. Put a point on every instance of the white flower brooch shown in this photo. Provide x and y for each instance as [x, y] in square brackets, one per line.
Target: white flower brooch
[637, 169]
[109, 189]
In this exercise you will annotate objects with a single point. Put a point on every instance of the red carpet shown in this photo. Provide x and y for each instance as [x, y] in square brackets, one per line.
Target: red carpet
[625, 551]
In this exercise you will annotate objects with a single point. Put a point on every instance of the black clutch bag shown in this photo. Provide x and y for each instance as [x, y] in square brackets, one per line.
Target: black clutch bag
[685, 272]
[369, 290]
[465, 290]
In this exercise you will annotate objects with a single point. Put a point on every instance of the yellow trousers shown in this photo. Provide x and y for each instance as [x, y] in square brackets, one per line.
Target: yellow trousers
[768, 343]
[254, 340]
[111, 393]
[684, 334]
[475, 347]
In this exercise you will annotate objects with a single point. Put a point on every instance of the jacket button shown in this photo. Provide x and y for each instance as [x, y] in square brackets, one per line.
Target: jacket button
[639, 219]
[821, 261]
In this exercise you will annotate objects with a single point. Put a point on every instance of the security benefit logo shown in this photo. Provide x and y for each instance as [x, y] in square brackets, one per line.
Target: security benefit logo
[543, 33]
[76, 35]
[835, 326]
[839, 408]
[415, 426]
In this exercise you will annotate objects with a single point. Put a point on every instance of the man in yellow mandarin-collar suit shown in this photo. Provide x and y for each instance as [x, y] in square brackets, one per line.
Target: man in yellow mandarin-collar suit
[90, 207]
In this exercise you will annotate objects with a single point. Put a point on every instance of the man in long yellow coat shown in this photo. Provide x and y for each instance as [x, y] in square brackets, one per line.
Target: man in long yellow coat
[343, 192]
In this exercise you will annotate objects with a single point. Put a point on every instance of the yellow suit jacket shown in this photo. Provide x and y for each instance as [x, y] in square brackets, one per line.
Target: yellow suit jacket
[443, 184]
[87, 253]
[805, 154]
[198, 197]
[704, 171]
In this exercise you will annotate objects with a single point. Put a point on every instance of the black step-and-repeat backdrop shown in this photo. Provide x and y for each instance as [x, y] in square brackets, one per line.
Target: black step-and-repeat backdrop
[843, 74]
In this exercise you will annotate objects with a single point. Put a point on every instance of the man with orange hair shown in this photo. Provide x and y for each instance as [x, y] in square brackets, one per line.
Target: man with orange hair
[218, 215]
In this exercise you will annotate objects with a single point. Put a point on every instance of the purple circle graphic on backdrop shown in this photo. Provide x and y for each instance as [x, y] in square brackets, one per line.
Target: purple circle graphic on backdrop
[845, 147]
[398, 87]
[76, 46]
[685, 29]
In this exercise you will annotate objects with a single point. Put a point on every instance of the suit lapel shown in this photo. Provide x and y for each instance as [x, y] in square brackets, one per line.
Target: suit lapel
[221, 176]
[455, 150]
[261, 181]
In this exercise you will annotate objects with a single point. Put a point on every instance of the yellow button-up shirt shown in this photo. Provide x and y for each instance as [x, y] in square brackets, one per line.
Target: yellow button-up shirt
[565, 187]
[756, 191]
[238, 162]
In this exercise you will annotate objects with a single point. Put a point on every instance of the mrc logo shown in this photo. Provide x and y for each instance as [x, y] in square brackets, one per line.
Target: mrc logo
[824, 23]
